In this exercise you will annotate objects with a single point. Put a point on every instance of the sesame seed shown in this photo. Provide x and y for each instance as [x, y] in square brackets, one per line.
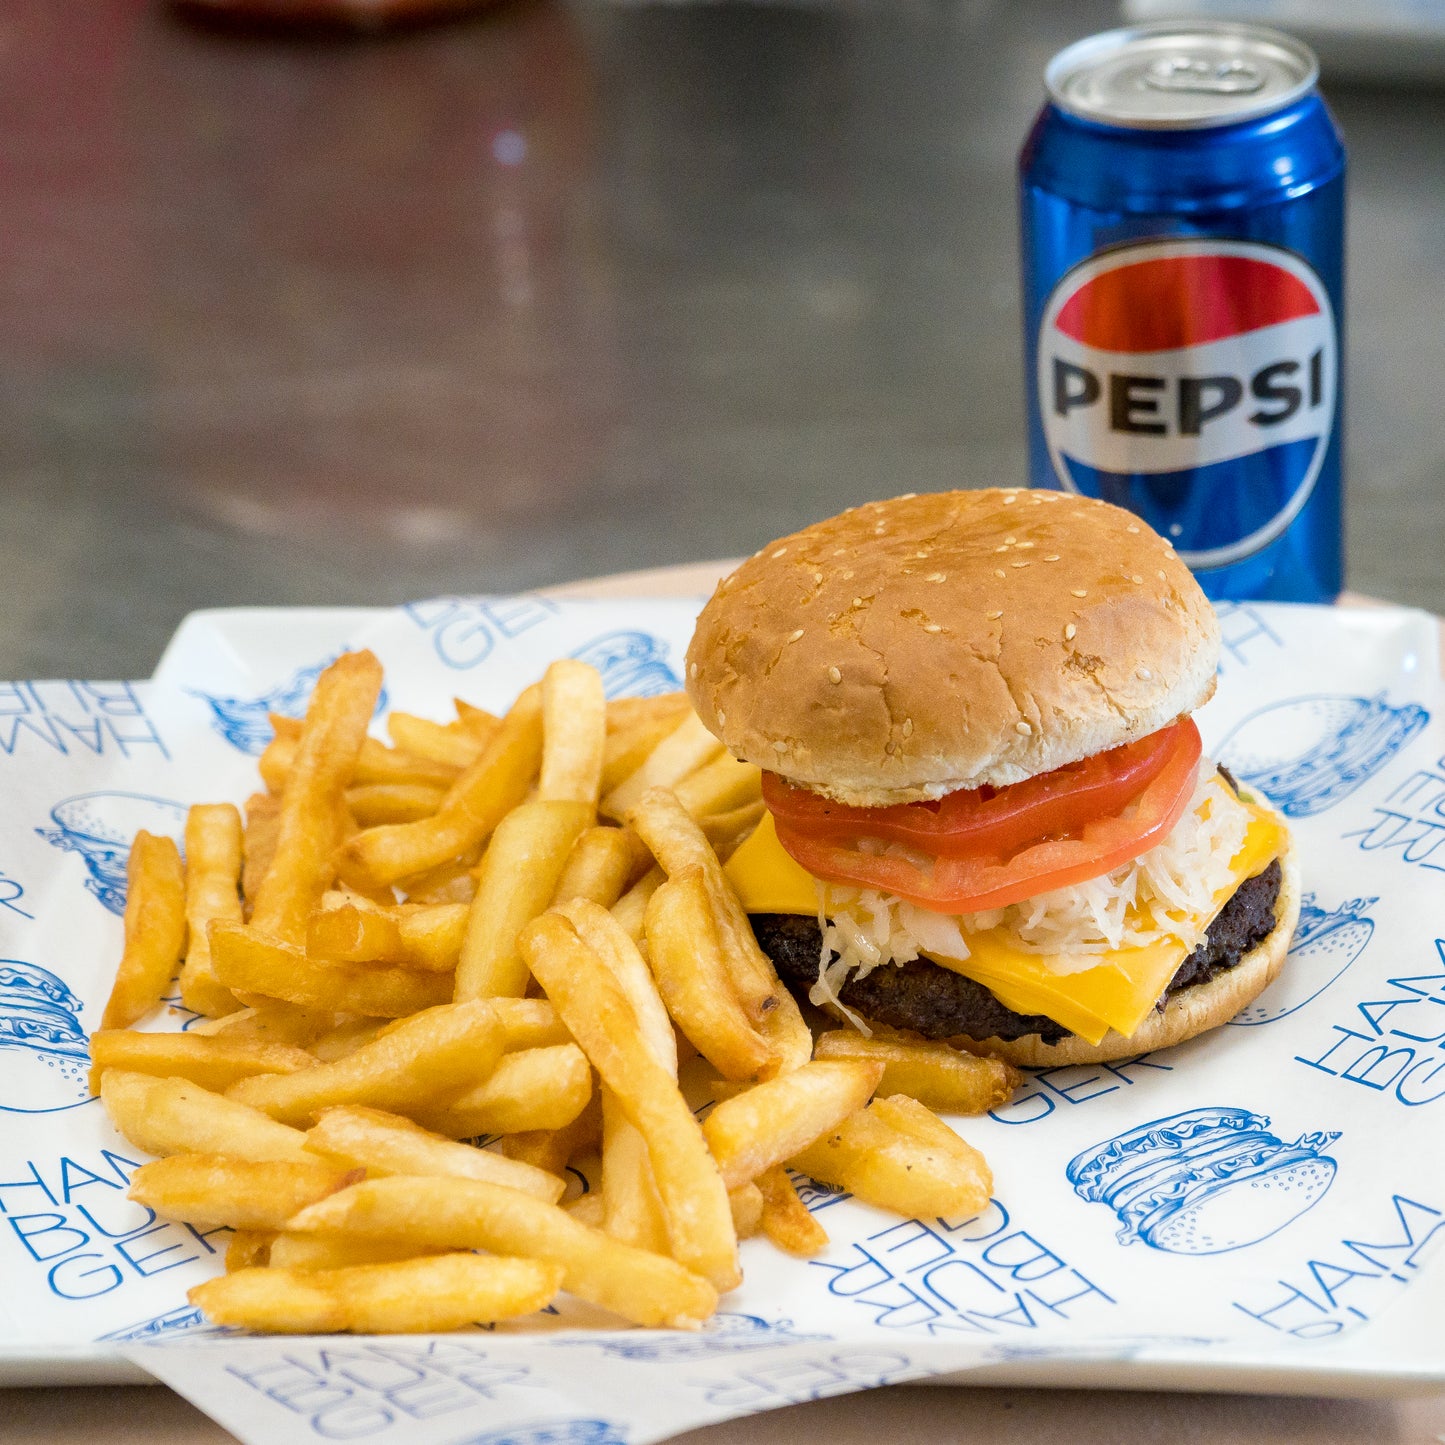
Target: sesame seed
[1024, 728]
[795, 634]
[998, 572]
[1008, 501]
[692, 669]
[921, 555]
[722, 717]
[1051, 557]
[781, 552]
[834, 675]
[936, 577]
[1160, 576]
[906, 497]
[780, 747]
[1131, 529]
[1069, 632]
[857, 602]
[1018, 564]
[890, 747]
[1078, 591]
[1136, 579]
[848, 576]
[817, 577]
[1002, 548]
[932, 627]
[1143, 674]
[1024, 545]
[993, 616]
[1009, 541]
[908, 727]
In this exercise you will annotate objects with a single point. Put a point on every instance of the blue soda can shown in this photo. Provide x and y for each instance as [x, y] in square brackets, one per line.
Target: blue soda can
[1183, 195]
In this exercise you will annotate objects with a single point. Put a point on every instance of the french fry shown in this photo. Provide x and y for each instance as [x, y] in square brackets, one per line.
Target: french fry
[899, 1156]
[376, 764]
[427, 1058]
[411, 1296]
[467, 1214]
[727, 832]
[942, 1078]
[682, 752]
[213, 880]
[272, 1021]
[248, 1248]
[451, 882]
[454, 744]
[384, 1143]
[746, 1204]
[335, 1251]
[593, 1005]
[354, 933]
[250, 962]
[529, 1023]
[682, 947]
[721, 786]
[757, 1130]
[679, 844]
[627, 748]
[331, 736]
[518, 878]
[475, 803]
[600, 865]
[209, 1190]
[373, 804]
[630, 910]
[155, 930]
[477, 720]
[552, 1150]
[258, 846]
[597, 928]
[786, 1220]
[588, 1209]
[632, 1209]
[432, 935]
[529, 1090]
[214, 1063]
[627, 712]
[574, 729]
[348, 1036]
[173, 1116]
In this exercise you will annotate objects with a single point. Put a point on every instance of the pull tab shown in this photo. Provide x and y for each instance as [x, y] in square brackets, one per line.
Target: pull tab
[1205, 77]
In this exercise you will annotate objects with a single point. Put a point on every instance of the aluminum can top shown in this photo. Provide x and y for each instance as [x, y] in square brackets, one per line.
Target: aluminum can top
[1180, 76]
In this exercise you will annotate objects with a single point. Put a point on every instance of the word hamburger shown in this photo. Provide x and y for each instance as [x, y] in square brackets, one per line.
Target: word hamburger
[989, 817]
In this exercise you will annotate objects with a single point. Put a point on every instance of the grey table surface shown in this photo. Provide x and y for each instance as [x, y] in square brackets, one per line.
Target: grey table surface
[562, 291]
[555, 292]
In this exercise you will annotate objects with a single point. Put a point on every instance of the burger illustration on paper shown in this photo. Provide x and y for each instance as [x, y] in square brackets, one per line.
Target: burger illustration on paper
[1307, 754]
[244, 722]
[184, 1319]
[1205, 1181]
[100, 826]
[632, 664]
[43, 1054]
[1325, 944]
[723, 1334]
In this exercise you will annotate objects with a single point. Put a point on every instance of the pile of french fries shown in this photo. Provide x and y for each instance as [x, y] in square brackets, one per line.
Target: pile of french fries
[444, 979]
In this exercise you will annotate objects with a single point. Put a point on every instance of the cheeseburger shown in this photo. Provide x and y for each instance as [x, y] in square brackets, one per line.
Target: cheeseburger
[988, 815]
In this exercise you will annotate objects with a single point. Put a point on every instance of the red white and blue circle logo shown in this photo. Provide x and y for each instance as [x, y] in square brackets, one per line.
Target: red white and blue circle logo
[1193, 382]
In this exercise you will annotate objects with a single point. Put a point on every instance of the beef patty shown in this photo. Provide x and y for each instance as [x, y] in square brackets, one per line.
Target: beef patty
[940, 1004]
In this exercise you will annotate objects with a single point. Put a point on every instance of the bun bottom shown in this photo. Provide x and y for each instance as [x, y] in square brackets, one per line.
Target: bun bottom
[1193, 1010]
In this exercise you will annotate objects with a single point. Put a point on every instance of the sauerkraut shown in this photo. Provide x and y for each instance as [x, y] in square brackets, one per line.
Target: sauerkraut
[1168, 892]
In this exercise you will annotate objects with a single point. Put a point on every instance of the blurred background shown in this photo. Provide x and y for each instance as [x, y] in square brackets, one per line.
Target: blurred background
[562, 289]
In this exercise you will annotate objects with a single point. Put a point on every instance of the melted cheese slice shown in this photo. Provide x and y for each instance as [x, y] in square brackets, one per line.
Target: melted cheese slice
[1116, 993]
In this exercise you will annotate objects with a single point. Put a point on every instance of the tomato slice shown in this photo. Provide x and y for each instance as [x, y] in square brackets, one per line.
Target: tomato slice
[998, 820]
[994, 876]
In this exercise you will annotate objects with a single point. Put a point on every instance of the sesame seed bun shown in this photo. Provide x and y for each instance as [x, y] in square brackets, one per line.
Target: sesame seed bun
[913, 647]
[1193, 1010]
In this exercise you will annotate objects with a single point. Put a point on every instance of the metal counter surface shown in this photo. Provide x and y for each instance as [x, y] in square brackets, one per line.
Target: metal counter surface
[556, 292]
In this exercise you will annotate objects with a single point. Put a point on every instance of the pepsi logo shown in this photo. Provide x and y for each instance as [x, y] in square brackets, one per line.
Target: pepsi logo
[1195, 383]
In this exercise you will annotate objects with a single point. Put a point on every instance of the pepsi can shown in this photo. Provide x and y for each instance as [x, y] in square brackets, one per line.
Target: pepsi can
[1182, 195]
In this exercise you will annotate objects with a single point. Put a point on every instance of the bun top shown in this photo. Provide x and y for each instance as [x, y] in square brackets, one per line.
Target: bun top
[909, 648]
